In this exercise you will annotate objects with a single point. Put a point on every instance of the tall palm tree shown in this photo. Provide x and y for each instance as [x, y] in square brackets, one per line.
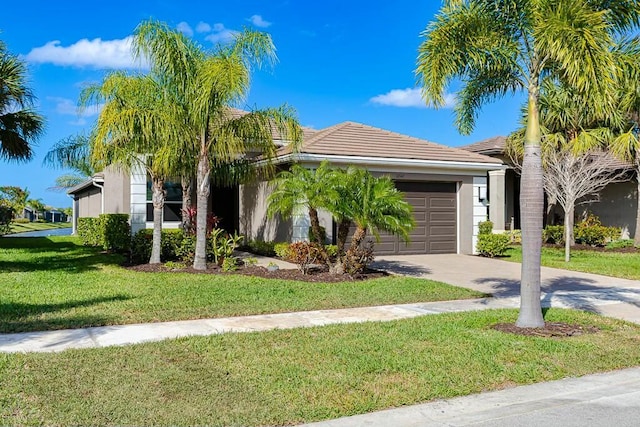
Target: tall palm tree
[136, 129]
[301, 188]
[20, 124]
[73, 152]
[497, 47]
[204, 85]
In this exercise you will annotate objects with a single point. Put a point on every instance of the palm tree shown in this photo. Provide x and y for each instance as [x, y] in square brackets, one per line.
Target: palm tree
[20, 125]
[301, 188]
[37, 205]
[136, 129]
[73, 153]
[204, 85]
[497, 47]
[374, 205]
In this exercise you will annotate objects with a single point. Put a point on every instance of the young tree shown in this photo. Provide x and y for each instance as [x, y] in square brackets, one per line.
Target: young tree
[497, 47]
[15, 198]
[204, 87]
[20, 125]
[577, 179]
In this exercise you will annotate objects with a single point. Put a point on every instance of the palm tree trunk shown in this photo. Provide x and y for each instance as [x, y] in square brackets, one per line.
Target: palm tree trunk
[315, 225]
[636, 234]
[532, 210]
[187, 184]
[157, 197]
[343, 232]
[202, 201]
[357, 238]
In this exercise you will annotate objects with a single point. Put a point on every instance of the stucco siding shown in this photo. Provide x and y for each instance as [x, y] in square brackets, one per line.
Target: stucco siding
[617, 207]
[254, 223]
[89, 202]
[117, 191]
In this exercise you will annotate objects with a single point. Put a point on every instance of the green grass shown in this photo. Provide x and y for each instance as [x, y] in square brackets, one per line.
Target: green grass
[293, 376]
[37, 226]
[54, 283]
[614, 264]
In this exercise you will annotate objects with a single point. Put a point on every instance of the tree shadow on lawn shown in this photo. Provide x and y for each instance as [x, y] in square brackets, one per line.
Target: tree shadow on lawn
[46, 255]
[568, 291]
[20, 317]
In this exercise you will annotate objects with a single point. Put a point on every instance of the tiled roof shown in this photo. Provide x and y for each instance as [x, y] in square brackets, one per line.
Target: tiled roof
[358, 140]
[493, 145]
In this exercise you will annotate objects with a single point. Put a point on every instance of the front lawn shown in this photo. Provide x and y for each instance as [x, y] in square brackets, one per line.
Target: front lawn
[17, 227]
[54, 283]
[293, 376]
[608, 263]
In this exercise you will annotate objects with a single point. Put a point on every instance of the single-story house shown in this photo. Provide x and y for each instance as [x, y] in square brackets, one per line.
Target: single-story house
[446, 186]
[617, 203]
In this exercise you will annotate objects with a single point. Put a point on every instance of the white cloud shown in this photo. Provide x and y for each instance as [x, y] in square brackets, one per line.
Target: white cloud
[203, 27]
[185, 29]
[409, 97]
[96, 53]
[258, 21]
[220, 34]
[67, 107]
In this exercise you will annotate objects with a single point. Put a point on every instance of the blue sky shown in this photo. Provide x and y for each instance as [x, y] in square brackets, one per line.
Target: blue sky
[338, 61]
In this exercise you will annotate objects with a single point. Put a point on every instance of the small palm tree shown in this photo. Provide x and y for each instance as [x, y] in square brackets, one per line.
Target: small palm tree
[20, 125]
[301, 188]
[497, 47]
[374, 205]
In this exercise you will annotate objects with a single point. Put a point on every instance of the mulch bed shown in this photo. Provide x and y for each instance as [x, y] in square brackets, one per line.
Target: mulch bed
[319, 275]
[550, 330]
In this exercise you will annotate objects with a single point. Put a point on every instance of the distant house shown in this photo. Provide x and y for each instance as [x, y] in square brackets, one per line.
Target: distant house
[29, 213]
[616, 207]
[55, 215]
[446, 186]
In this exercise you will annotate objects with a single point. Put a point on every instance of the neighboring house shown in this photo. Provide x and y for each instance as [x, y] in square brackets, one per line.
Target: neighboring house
[29, 213]
[616, 207]
[447, 188]
[55, 215]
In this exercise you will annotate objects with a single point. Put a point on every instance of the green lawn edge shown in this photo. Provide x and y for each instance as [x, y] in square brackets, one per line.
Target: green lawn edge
[36, 226]
[285, 377]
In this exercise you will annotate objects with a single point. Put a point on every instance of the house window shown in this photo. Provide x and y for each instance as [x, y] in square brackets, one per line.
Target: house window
[172, 203]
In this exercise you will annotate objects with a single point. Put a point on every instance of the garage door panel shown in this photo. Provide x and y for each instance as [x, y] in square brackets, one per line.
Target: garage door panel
[435, 215]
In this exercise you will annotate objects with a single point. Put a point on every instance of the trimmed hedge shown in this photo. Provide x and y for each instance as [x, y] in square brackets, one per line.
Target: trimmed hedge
[492, 245]
[485, 227]
[171, 242]
[109, 231]
[90, 231]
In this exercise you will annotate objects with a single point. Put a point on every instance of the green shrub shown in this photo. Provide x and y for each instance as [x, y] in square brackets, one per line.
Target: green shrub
[90, 231]
[229, 264]
[323, 235]
[485, 227]
[221, 245]
[553, 234]
[116, 234]
[591, 232]
[6, 215]
[41, 220]
[171, 241]
[260, 247]
[281, 250]
[621, 243]
[22, 220]
[492, 245]
[515, 236]
[186, 251]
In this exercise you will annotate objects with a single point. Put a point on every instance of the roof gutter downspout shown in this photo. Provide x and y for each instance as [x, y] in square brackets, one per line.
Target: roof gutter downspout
[74, 214]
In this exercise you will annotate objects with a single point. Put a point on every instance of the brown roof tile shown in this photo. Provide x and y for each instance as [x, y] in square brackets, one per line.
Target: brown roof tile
[358, 140]
[493, 145]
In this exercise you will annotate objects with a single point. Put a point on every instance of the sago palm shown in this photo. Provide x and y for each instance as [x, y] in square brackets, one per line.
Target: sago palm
[496, 47]
[20, 124]
[204, 85]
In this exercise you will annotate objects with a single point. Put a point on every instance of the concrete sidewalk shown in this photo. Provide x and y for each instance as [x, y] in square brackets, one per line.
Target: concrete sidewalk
[600, 400]
[103, 336]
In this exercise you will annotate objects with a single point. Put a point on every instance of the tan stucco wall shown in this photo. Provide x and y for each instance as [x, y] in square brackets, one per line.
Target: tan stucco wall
[117, 191]
[617, 207]
[465, 214]
[253, 221]
[89, 202]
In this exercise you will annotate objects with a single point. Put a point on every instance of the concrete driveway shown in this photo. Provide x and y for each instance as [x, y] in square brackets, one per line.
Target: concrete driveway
[560, 288]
